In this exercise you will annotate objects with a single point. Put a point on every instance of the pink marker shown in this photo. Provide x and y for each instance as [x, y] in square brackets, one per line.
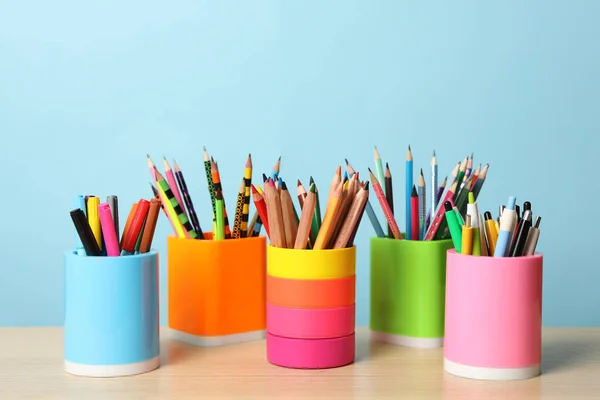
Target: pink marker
[108, 231]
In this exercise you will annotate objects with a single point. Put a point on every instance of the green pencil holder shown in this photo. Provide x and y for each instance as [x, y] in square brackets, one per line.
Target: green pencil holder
[408, 288]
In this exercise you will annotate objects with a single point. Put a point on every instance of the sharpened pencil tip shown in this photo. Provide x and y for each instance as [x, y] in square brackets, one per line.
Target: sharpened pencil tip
[434, 153]
[409, 147]
[299, 183]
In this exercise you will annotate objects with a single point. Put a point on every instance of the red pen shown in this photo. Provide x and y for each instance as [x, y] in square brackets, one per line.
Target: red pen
[414, 209]
[136, 226]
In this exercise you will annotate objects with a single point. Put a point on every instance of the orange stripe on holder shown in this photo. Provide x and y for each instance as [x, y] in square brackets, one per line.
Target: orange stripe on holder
[311, 293]
[216, 287]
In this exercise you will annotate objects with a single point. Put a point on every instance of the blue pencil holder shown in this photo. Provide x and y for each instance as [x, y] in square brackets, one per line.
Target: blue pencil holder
[111, 315]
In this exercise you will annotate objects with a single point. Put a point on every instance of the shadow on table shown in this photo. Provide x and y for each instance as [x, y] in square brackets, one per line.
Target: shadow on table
[557, 356]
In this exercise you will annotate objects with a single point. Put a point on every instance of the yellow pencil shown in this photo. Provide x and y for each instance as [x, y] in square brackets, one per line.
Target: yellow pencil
[94, 219]
[172, 214]
[331, 211]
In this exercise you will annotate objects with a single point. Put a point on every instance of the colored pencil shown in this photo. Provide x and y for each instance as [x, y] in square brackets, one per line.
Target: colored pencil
[353, 219]
[374, 221]
[301, 194]
[275, 214]
[246, 208]
[385, 206]
[316, 224]
[211, 187]
[188, 201]
[216, 179]
[239, 210]
[306, 219]
[440, 214]
[182, 224]
[480, 181]
[422, 205]
[409, 185]
[389, 194]
[276, 168]
[331, 210]
[414, 210]
[261, 207]
[351, 171]
[173, 184]
[346, 204]
[379, 168]
[290, 222]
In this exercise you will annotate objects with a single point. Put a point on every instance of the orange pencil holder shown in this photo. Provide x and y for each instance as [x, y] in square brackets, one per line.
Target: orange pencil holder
[216, 290]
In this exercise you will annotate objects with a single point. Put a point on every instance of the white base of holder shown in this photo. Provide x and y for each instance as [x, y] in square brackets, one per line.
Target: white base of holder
[491, 374]
[111, 371]
[211, 341]
[408, 341]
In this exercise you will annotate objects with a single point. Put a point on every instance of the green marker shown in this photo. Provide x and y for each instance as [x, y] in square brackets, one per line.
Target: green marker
[474, 214]
[454, 226]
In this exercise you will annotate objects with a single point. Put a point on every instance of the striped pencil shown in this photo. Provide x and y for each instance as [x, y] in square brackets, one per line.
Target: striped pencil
[239, 210]
[385, 206]
[152, 168]
[246, 209]
[211, 187]
[188, 200]
[173, 184]
[164, 188]
[216, 178]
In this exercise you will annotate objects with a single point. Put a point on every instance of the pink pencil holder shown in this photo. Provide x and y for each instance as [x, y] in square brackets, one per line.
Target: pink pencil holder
[493, 321]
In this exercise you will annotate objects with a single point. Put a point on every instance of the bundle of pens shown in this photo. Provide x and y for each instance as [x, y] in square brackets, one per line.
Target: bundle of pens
[423, 222]
[346, 203]
[512, 235]
[97, 227]
[177, 204]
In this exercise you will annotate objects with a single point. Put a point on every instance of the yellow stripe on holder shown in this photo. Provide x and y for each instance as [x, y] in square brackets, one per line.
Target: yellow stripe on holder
[311, 264]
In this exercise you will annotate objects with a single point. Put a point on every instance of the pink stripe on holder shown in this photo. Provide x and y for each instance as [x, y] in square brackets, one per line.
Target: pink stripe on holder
[310, 353]
[493, 316]
[316, 323]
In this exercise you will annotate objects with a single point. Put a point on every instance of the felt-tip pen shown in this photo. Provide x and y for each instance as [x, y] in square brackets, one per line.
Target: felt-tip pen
[521, 235]
[453, 226]
[473, 212]
[490, 231]
[507, 227]
[467, 237]
[79, 203]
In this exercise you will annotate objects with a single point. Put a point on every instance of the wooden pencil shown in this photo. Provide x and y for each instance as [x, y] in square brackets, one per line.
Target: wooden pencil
[335, 181]
[389, 194]
[306, 218]
[290, 223]
[150, 226]
[252, 223]
[261, 207]
[351, 171]
[239, 209]
[352, 220]
[347, 199]
[326, 230]
[301, 194]
[275, 215]
[385, 206]
[365, 187]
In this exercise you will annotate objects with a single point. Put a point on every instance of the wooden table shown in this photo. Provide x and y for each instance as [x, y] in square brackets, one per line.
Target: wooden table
[31, 367]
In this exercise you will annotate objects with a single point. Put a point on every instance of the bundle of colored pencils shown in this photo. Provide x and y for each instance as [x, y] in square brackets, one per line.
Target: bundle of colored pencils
[423, 223]
[97, 226]
[172, 191]
[346, 202]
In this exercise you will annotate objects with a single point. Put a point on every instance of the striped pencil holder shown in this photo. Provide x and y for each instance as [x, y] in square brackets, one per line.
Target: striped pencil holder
[216, 290]
[408, 283]
[493, 317]
[311, 307]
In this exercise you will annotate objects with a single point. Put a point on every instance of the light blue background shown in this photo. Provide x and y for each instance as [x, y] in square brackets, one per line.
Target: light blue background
[88, 88]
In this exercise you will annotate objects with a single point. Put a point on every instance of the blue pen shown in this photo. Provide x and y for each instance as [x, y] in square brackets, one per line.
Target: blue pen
[79, 202]
[409, 185]
[508, 220]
